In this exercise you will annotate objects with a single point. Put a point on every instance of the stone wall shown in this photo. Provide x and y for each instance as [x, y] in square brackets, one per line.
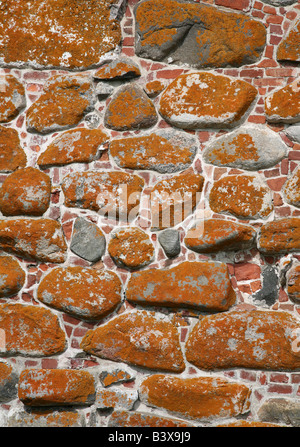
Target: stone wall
[150, 230]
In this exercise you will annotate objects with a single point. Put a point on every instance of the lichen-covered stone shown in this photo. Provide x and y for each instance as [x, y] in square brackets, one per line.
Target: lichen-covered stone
[214, 235]
[250, 147]
[279, 236]
[198, 398]
[12, 276]
[137, 338]
[47, 387]
[8, 381]
[283, 106]
[244, 196]
[293, 283]
[201, 285]
[291, 189]
[12, 98]
[123, 418]
[249, 424]
[81, 291]
[12, 155]
[173, 199]
[74, 146]
[130, 109]
[154, 88]
[162, 151]
[119, 69]
[289, 47]
[281, 411]
[205, 100]
[256, 339]
[88, 241]
[65, 101]
[30, 331]
[58, 33]
[131, 248]
[197, 35]
[114, 194]
[110, 376]
[169, 239]
[35, 239]
[46, 417]
[116, 397]
[26, 191]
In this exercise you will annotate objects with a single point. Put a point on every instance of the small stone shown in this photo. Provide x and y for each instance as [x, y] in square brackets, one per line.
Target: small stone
[123, 418]
[244, 196]
[289, 47]
[154, 88]
[65, 101]
[170, 241]
[82, 292]
[137, 338]
[47, 387]
[205, 100]
[291, 189]
[293, 283]
[269, 292]
[281, 411]
[131, 248]
[279, 2]
[8, 382]
[279, 236]
[12, 156]
[45, 417]
[197, 398]
[103, 90]
[130, 109]
[74, 146]
[26, 191]
[119, 69]
[283, 106]
[116, 397]
[115, 375]
[12, 276]
[12, 98]
[88, 241]
[293, 132]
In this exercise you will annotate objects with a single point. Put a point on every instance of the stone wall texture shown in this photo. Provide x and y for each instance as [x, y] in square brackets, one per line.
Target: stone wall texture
[149, 213]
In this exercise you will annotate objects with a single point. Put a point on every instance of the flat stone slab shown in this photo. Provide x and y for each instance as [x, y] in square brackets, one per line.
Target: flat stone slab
[279, 236]
[283, 106]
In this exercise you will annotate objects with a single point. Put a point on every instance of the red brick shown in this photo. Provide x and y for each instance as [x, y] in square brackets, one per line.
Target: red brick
[241, 5]
[280, 389]
[246, 271]
[279, 378]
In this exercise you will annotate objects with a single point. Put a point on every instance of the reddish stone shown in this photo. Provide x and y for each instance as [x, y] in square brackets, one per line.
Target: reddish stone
[293, 283]
[12, 276]
[12, 97]
[246, 271]
[12, 156]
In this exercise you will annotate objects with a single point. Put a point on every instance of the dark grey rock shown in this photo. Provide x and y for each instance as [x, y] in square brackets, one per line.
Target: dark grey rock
[88, 241]
[270, 286]
[8, 387]
[170, 241]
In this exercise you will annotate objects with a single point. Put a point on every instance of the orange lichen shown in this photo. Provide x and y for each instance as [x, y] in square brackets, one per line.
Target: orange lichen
[12, 276]
[122, 418]
[280, 236]
[12, 98]
[241, 147]
[12, 156]
[284, 104]
[289, 47]
[117, 70]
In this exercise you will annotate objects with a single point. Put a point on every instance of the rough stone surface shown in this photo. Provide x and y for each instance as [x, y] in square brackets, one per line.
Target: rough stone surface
[197, 35]
[12, 155]
[280, 411]
[170, 241]
[244, 196]
[205, 100]
[283, 106]
[8, 381]
[114, 194]
[30, 331]
[123, 418]
[279, 236]
[137, 338]
[291, 189]
[40, 387]
[249, 424]
[251, 147]
[161, 151]
[74, 146]
[203, 285]
[34, 239]
[111, 376]
[12, 98]
[293, 132]
[256, 340]
[214, 235]
[88, 241]
[200, 398]
[45, 417]
[289, 47]
[65, 101]
[82, 292]
[116, 397]
[279, 2]
[56, 33]
[26, 192]
[12, 276]
[293, 283]
[118, 70]
[173, 199]
[269, 292]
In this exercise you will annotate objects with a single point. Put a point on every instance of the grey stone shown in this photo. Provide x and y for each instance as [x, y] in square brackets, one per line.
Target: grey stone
[293, 132]
[88, 241]
[43, 418]
[279, 2]
[103, 90]
[8, 387]
[270, 286]
[170, 241]
[280, 410]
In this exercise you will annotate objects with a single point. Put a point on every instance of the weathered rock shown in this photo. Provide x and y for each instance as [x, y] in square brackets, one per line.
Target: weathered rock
[12, 98]
[119, 69]
[213, 235]
[162, 151]
[203, 285]
[131, 248]
[103, 90]
[45, 417]
[34, 239]
[250, 147]
[123, 418]
[197, 35]
[130, 109]
[170, 241]
[289, 47]
[8, 381]
[279, 2]
[281, 411]
[30, 331]
[12, 156]
[88, 241]
[26, 191]
[199, 398]
[40, 387]
[110, 376]
[12, 276]
[113, 194]
[154, 88]
[137, 338]
[242, 423]
[269, 292]
[283, 106]
[256, 339]
[279, 236]
[293, 132]
[291, 189]
[80, 291]
[62, 35]
[116, 397]
[65, 101]
[205, 100]
[244, 196]
[293, 283]
[74, 146]
[173, 199]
